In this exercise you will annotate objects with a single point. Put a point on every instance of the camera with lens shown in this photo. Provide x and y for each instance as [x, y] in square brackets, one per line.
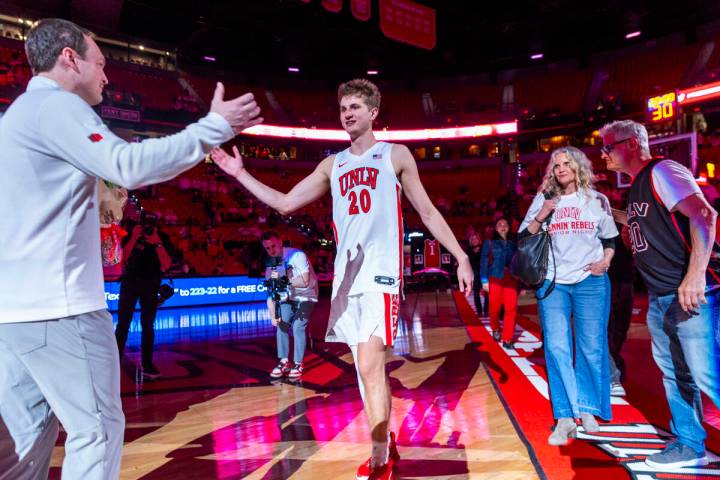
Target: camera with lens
[148, 222]
[278, 289]
[165, 291]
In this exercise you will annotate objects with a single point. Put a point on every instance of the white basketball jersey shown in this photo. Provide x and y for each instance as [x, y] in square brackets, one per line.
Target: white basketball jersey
[367, 221]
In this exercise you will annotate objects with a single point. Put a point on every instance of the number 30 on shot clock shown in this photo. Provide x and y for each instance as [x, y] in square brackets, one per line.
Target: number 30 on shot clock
[662, 107]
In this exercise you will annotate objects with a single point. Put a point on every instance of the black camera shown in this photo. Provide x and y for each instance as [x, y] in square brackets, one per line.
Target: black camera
[165, 291]
[278, 287]
[149, 223]
[278, 290]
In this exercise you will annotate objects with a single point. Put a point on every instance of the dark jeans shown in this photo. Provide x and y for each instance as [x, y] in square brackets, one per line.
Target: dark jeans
[481, 305]
[146, 290]
[618, 325]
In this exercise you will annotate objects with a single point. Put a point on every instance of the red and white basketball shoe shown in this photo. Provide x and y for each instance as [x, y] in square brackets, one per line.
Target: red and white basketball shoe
[382, 472]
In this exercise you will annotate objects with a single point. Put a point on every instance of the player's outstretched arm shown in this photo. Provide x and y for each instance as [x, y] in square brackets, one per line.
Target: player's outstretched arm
[431, 217]
[306, 191]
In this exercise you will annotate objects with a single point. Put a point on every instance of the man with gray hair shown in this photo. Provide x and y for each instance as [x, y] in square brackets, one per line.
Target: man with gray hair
[58, 356]
[672, 231]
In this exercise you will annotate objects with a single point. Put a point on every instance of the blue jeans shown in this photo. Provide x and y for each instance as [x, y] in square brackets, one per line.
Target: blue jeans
[686, 348]
[582, 385]
[298, 316]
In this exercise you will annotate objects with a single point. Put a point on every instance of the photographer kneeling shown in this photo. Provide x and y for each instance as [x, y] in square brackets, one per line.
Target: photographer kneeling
[293, 288]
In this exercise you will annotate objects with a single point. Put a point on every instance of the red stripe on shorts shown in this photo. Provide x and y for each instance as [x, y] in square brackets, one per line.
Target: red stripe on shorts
[388, 320]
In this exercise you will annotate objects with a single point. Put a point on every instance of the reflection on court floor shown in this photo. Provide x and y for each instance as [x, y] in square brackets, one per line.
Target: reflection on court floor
[216, 413]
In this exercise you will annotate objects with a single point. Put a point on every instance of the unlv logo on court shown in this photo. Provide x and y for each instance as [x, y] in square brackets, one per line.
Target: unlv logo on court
[631, 443]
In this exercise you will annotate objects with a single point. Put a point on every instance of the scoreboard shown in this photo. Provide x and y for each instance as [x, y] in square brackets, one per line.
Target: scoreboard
[661, 108]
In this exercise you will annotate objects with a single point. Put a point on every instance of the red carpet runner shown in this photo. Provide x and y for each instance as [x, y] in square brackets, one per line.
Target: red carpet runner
[616, 452]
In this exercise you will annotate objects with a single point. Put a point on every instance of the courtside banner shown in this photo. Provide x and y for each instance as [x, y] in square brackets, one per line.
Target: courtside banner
[202, 291]
[618, 450]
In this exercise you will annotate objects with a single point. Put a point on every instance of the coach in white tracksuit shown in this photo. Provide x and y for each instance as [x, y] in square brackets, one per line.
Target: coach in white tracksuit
[58, 356]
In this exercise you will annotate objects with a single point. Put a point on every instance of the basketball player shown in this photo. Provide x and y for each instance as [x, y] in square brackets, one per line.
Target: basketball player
[366, 181]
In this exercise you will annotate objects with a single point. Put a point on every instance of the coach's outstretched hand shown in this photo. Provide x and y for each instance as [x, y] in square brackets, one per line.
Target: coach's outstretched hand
[230, 164]
[241, 112]
[465, 277]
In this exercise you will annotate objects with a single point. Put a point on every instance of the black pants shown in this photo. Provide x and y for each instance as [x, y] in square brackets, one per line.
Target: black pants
[481, 306]
[618, 325]
[146, 290]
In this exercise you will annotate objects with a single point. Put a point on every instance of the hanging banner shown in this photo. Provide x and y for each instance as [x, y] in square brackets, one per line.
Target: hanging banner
[334, 6]
[408, 22]
[116, 113]
[360, 9]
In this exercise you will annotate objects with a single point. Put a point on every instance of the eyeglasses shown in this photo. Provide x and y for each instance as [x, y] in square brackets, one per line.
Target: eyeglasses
[606, 149]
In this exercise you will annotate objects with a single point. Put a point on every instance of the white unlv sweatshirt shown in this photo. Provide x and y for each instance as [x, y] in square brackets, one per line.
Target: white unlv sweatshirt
[578, 223]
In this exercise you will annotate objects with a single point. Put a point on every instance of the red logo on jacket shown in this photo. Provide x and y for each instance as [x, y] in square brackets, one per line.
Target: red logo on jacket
[95, 137]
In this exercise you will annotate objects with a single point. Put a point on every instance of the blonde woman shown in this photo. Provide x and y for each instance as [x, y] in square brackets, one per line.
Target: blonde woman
[582, 230]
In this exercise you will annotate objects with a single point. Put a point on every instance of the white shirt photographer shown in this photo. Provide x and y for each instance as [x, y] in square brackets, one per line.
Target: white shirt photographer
[303, 285]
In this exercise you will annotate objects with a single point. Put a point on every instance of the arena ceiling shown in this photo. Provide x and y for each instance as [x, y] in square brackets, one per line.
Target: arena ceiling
[267, 36]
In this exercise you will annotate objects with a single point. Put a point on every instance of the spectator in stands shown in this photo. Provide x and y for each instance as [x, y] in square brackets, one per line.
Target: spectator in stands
[497, 252]
[296, 301]
[673, 242]
[582, 229]
[488, 231]
[54, 148]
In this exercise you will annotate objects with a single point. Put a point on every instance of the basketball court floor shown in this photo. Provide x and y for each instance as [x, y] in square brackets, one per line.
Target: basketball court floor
[463, 407]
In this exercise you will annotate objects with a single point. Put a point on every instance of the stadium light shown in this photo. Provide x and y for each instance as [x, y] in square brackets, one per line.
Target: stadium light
[536, 56]
[699, 93]
[633, 34]
[389, 135]
[293, 69]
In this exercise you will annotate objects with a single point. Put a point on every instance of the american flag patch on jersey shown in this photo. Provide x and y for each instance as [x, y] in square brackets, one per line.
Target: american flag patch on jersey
[377, 156]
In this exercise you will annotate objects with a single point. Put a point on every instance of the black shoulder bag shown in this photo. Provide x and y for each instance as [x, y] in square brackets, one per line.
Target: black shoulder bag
[529, 264]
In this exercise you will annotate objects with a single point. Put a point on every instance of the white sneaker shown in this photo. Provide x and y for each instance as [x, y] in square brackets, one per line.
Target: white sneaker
[617, 390]
[296, 371]
[282, 369]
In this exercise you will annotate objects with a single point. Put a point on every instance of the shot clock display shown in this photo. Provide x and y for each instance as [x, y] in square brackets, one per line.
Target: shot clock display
[661, 108]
